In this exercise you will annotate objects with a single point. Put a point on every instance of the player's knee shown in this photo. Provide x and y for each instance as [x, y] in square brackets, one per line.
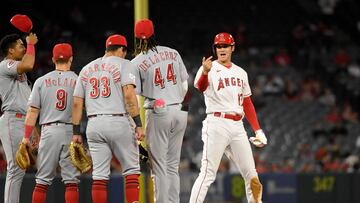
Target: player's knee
[256, 188]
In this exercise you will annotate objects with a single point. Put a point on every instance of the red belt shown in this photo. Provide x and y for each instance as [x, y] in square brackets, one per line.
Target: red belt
[96, 115]
[19, 115]
[233, 117]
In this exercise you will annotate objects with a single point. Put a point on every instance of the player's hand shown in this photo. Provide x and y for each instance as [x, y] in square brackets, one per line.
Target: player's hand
[31, 39]
[259, 140]
[77, 139]
[35, 139]
[139, 133]
[26, 141]
[207, 64]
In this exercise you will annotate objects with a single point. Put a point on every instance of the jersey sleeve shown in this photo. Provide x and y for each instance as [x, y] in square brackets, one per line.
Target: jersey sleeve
[129, 73]
[246, 86]
[10, 68]
[197, 77]
[183, 72]
[79, 90]
[35, 97]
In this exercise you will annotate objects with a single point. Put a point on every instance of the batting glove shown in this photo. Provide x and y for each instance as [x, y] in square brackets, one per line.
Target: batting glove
[259, 140]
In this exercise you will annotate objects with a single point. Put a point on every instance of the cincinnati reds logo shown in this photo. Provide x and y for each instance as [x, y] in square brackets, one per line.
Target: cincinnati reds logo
[10, 64]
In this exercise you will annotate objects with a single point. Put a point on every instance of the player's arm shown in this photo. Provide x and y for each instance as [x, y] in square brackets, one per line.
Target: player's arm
[76, 118]
[30, 121]
[202, 81]
[185, 86]
[132, 107]
[28, 60]
[183, 75]
[250, 113]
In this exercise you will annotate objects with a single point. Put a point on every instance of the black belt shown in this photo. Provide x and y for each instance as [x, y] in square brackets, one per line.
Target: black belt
[56, 123]
[185, 107]
[96, 115]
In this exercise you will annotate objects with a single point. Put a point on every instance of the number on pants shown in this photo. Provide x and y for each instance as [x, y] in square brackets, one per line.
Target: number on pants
[61, 96]
[170, 76]
[103, 84]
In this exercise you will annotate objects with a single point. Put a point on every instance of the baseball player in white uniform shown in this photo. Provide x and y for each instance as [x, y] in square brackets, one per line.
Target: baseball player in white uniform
[14, 94]
[164, 84]
[227, 98]
[107, 86]
[51, 98]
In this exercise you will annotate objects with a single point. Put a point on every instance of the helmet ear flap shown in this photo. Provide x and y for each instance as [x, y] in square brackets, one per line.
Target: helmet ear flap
[214, 51]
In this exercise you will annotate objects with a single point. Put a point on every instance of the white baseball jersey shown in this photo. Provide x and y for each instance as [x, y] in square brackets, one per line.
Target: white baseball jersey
[161, 74]
[227, 88]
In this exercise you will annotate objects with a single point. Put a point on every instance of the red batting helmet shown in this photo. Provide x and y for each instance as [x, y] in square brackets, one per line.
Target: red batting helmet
[22, 22]
[224, 38]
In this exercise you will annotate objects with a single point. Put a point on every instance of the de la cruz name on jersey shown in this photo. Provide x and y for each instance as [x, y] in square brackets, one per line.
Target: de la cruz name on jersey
[156, 58]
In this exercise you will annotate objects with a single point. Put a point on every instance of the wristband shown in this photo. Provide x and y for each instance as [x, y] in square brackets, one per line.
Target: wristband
[30, 49]
[28, 131]
[76, 129]
[137, 121]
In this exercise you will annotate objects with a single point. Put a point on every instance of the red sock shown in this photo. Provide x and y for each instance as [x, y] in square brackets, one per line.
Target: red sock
[132, 188]
[39, 193]
[71, 193]
[99, 191]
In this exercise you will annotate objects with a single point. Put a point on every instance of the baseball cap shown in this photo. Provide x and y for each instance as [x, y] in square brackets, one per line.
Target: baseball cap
[224, 38]
[144, 29]
[116, 40]
[62, 51]
[22, 23]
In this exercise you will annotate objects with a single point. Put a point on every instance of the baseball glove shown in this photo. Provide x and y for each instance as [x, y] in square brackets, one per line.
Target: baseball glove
[79, 158]
[24, 157]
[260, 139]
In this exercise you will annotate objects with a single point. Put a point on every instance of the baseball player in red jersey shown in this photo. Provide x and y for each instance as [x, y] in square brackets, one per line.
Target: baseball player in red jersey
[163, 84]
[107, 86]
[14, 94]
[227, 98]
[50, 99]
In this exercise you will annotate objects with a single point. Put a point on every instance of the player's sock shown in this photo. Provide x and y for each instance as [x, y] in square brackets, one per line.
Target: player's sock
[71, 193]
[39, 194]
[99, 191]
[132, 188]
